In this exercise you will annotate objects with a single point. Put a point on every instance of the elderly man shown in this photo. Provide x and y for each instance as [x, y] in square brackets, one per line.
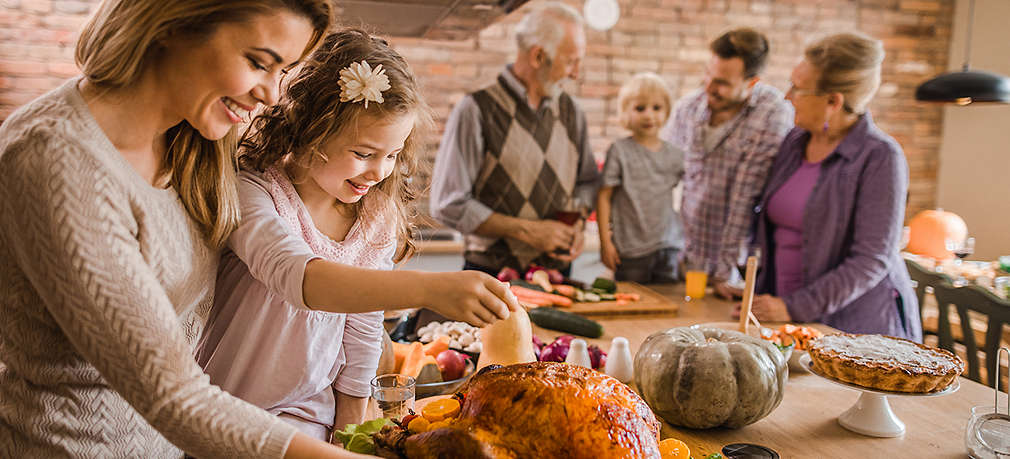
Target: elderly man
[516, 153]
[730, 130]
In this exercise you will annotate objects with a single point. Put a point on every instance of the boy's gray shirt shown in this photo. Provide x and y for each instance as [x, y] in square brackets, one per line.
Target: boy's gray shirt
[642, 214]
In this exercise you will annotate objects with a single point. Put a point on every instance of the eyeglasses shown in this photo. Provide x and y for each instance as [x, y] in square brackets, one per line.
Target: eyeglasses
[793, 90]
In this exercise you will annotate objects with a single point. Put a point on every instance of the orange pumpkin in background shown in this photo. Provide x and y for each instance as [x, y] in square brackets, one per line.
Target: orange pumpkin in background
[929, 230]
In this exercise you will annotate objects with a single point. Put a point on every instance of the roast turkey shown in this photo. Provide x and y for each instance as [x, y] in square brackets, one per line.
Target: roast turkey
[537, 410]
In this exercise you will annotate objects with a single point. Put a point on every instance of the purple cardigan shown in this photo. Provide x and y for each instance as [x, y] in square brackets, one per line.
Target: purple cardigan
[853, 276]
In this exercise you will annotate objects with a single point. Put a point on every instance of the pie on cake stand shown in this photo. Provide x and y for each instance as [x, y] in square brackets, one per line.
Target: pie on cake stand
[880, 367]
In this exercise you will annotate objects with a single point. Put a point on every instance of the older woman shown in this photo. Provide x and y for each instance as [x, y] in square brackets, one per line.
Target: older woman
[829, 222]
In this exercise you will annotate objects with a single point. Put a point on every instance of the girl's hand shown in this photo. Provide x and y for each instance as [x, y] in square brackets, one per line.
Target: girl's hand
[469, 296]
[767, 308]
[609, 255]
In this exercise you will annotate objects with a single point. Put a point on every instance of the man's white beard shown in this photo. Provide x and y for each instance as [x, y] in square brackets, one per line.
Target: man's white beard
[554, 90]
[551, 89]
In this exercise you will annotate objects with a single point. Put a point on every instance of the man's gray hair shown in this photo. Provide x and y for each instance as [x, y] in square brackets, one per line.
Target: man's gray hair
[541, 27]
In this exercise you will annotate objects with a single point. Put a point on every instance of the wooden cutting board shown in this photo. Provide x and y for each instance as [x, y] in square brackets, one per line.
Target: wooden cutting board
[652, 302]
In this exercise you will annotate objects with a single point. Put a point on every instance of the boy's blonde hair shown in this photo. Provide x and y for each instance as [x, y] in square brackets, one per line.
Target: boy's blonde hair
[642, 84]
[290, 133]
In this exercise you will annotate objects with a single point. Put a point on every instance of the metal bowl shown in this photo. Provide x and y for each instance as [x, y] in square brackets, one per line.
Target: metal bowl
[443, 387]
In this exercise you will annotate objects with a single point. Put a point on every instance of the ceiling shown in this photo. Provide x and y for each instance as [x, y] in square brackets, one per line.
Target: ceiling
[434, 19]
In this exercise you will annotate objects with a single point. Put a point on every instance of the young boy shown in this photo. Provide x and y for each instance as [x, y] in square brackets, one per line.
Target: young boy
[640, 233]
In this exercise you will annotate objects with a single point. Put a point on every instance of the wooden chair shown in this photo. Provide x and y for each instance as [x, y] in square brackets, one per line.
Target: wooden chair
[924, 280]
[995, 312]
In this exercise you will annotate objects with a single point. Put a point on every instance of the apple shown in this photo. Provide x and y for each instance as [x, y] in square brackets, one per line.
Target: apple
[452, 364]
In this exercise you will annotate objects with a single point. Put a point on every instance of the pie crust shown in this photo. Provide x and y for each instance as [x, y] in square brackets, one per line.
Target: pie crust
[885, 363]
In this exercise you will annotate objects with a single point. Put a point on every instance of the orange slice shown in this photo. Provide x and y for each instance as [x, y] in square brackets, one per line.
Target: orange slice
[441, 409]
[418, 425]
[671, 448]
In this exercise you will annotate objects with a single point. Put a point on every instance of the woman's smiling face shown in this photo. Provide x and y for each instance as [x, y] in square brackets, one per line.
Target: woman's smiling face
[216, 82]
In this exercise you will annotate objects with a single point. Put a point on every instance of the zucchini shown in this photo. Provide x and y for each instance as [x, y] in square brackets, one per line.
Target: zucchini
[556, 319]
[607, 285]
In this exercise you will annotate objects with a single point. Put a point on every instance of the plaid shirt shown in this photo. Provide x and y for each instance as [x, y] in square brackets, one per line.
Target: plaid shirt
[721, 186]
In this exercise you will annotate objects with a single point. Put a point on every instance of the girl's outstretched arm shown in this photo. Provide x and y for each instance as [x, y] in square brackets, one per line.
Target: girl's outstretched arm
[286, 265]
[468, 296]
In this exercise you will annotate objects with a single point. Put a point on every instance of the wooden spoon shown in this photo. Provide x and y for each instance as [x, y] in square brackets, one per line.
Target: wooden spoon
[748, 295]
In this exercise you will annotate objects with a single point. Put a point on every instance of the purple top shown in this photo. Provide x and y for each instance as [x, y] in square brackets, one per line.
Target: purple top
[853, 276]
[785, 211]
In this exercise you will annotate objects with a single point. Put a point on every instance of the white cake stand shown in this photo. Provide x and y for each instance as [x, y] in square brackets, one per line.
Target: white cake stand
[872, 415]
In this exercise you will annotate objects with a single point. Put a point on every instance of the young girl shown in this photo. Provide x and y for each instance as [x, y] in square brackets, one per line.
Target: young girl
[324, 193]
[640, 233]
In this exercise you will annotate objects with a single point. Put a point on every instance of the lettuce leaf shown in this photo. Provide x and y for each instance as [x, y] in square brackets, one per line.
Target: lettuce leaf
[357, 438]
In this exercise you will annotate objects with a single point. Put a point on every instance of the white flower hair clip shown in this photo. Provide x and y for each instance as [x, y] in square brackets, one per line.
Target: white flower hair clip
[360, 82]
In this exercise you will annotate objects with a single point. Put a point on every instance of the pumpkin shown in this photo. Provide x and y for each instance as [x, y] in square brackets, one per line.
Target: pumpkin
[929, 231]
[507, 341]
[414, 360]
[708, 377]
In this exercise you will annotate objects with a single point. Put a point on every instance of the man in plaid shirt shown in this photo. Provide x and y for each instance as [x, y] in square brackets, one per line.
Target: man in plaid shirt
[730, 129]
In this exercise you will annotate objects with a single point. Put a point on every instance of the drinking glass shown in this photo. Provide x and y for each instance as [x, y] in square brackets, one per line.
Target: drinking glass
[967, 248]
[569, 213]
[393, 394]
[987, 434]
[960, 248]
[696, 279]
[1002, 287]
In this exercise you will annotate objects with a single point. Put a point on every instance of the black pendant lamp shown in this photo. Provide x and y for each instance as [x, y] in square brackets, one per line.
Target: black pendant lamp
[966, 86]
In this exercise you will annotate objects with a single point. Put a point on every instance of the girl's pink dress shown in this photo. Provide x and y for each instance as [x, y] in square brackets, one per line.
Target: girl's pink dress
[262, 343]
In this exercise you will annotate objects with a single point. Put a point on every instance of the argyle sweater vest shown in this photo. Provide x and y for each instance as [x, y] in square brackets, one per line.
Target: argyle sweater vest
[531, 163]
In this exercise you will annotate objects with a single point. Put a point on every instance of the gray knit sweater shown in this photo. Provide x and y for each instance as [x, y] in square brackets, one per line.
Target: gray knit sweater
[104, 288]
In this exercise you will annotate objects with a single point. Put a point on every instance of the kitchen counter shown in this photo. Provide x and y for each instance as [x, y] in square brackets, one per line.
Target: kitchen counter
[442, 250]
[455, 244]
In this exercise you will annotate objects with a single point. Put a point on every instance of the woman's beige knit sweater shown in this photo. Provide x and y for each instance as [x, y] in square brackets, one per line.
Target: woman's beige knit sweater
[104, 288]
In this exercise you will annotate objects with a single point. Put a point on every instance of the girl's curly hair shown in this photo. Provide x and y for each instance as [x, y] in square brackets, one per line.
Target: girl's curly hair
[290, 133]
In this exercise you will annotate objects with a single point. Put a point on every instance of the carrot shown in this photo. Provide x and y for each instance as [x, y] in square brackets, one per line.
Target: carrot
[534, 301]
[564, 290]
[527, 305]
[529, 293]
[627, 296]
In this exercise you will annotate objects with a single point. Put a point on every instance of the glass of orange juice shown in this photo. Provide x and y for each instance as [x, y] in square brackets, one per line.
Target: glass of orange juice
[696, 279]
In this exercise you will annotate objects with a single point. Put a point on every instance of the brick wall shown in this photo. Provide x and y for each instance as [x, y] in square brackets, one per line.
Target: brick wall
[666, 36]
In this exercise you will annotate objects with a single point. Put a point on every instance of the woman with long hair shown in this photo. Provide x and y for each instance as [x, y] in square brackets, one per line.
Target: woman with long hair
[118, 190]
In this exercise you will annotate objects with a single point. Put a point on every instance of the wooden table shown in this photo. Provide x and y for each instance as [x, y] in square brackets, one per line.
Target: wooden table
[805, 424]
